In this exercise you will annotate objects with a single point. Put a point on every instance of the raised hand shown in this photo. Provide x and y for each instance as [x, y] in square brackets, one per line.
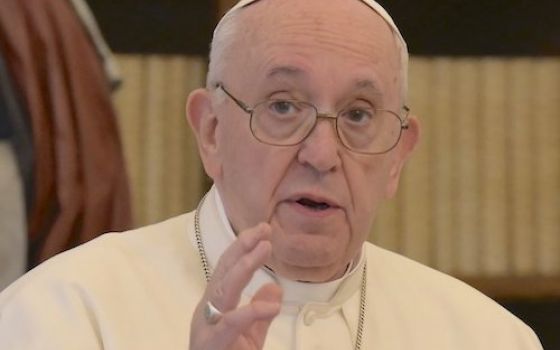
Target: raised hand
[237, 327]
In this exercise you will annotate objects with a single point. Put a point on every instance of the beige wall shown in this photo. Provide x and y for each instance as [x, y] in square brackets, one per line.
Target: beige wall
[481, 197]
[164, 169]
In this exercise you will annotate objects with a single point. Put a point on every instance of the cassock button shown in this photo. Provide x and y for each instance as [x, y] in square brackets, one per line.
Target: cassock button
[309, 317]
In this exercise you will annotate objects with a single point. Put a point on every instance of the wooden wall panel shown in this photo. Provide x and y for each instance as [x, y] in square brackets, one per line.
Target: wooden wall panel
[493, 133]
[520, 156]
[482, 194]
[441, 176]
[546, 117]
[164, 167]
[465, 165]
[416, 220]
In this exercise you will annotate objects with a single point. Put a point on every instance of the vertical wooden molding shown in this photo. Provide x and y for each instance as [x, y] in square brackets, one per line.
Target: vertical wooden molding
[466, 163]
[493, 134]
[443, 112]
[129, 102]
[162, 158]
[521, 156]
[416, 197]
[182, 187]
[195, 177]
[155, 120]
[547, 153]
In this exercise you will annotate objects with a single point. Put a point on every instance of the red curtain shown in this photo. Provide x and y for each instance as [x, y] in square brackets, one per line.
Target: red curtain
[80, 188]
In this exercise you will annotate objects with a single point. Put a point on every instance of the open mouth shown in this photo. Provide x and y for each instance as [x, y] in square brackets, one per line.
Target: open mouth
[311, 204]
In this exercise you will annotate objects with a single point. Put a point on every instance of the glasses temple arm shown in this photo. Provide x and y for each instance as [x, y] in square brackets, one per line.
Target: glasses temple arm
[241, 105]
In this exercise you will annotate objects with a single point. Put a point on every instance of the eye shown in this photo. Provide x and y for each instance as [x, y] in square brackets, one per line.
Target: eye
[282, 107]
[359, 115]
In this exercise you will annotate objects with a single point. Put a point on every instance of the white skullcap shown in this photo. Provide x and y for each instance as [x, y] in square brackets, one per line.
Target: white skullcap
[403, 51]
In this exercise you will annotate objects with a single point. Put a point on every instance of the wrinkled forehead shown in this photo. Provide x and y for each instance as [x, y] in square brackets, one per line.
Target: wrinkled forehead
[374, 6]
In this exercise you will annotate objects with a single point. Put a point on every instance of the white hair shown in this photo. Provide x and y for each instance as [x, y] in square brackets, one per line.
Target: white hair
[226, 34]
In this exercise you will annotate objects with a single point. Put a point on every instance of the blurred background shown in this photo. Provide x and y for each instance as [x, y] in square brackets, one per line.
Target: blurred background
[479, 200]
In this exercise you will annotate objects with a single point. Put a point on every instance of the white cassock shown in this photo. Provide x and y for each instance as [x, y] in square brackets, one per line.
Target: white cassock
[137, 290]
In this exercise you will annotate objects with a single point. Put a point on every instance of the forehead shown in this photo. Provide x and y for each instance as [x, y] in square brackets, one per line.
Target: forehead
[344, 18]
[274, 33]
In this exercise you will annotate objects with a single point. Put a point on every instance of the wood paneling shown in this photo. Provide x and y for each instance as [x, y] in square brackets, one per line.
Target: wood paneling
[481, 196]
[517, 288]
[166, 174]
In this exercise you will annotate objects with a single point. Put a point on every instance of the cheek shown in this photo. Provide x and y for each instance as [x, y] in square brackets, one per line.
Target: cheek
[367, 183]
[251, 172]
[245, 159]
[238, 151]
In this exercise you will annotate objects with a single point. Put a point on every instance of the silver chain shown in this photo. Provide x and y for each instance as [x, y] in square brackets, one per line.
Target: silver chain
[199, 244]
[362, 314]
[208, 274]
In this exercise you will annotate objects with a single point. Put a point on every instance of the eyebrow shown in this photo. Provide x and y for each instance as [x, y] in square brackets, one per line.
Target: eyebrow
[366, 84]
[289, 71]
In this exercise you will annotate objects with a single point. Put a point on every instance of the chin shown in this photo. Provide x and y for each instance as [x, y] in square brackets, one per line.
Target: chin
[307, 274]
[315, 253]
[296, 268]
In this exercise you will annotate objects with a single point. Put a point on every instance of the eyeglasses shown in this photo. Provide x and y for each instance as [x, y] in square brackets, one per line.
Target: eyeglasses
[360, 127]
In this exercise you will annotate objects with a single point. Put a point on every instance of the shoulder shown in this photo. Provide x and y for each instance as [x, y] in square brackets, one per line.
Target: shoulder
[111, 249]
[438, 303]
[164, 243]
[101, 284]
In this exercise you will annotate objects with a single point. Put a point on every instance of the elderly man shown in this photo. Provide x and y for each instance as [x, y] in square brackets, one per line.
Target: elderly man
[303, 128]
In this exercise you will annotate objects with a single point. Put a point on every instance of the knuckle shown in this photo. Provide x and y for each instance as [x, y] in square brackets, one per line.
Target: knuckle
[218, 271]
[230, 322]
[219, 291]
[221, 299]
[246, 263]
[246, 241]
[238, 320]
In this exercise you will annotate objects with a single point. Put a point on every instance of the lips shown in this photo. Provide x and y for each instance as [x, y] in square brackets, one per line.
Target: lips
[311, 204]
[314, 202]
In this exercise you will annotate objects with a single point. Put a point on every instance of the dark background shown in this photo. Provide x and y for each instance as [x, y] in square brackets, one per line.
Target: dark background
[156, 26]
[431, 27]
[470, 27]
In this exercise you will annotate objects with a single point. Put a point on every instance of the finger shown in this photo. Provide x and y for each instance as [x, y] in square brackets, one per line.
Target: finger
[240, 320]
[237, 265]
[271, 293]
[245, 242]
[226, 292]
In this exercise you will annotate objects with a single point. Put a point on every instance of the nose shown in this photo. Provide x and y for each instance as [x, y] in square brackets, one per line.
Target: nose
[320, 149]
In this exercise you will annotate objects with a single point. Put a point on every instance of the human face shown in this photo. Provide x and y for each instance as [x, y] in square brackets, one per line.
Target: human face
[330, 54]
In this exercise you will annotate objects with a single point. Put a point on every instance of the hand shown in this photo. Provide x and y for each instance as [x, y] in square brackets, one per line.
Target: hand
[241, 327]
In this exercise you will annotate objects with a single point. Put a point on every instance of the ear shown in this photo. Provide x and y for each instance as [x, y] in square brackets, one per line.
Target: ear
[204, 123]
[409, 139]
